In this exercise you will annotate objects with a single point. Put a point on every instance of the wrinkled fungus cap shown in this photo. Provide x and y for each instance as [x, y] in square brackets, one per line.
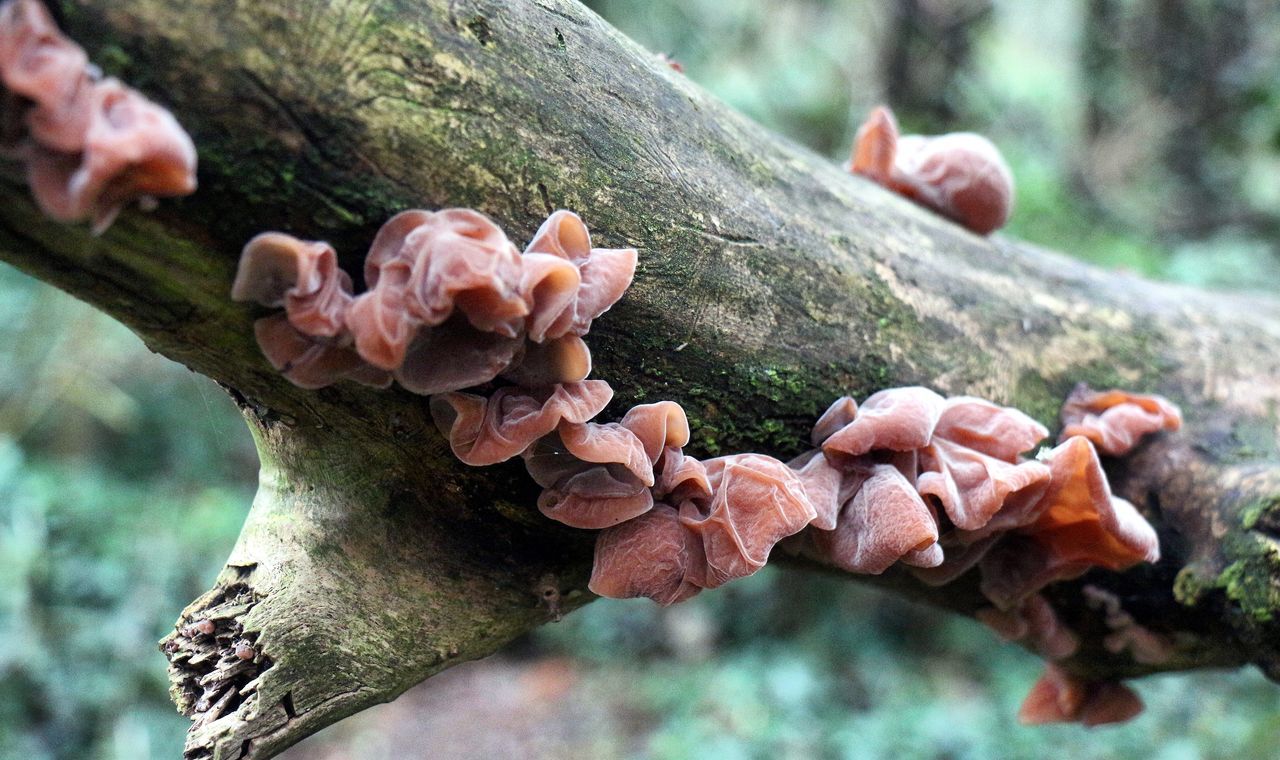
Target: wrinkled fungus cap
[971, 486]
[453, 270]
[309, 362]
[650, 556]
[489, 430]
[598, 475]
[302, 276]
[601, 477]
[895, 419]
[961, 175]
[604, 274]
[1116, 420]
[757, 501]
[884, 521]
[1077, 524]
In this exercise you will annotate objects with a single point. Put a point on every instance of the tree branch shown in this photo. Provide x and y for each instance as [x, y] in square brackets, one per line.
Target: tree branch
[770, 282]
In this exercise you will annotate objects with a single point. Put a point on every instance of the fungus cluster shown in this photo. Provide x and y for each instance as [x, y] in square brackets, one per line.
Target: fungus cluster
[953, 471]
[960, 175]
[940, 485]
[943, 486]
[1116, 420]
[91, 145]
[671, 525]
[451, 303]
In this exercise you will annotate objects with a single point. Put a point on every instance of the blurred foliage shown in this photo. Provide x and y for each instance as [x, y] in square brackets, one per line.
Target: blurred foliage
[123, 478]
[123, 483]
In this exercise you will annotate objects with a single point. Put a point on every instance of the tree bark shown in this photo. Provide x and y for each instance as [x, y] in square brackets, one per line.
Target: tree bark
[770, 282]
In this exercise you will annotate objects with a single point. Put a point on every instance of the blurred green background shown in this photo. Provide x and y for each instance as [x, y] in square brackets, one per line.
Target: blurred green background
[1144, 134]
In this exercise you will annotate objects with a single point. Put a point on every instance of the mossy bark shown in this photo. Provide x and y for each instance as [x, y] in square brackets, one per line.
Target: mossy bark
[770, 282]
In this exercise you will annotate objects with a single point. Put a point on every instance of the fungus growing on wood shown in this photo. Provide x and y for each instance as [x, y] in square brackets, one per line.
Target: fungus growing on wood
[46, 68]
[953, 473]
[1059, 697]
[594, 475]
[451, 303]
[733, 509]
[133, 149]
[303, 277]
[597, 475]
[305, 343]
[895, 419]
[424, 266]
[489, 430]
[91, 145]
[681, 478]
[732, 512]
[940, 485]
[973, 465]
[1077, 525]
[310, 362]
[558, 360]
[885, 521]
[837, 416]
[825, 486]
[604, 273]
[756, 502]
[1116, 420]
[972, 486]
[997, 431]
[455, 355]
[653, 555]
[960, 454]
[959, 175]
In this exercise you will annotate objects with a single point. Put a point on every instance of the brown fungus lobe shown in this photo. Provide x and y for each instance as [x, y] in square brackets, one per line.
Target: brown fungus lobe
[652, 556]
[895, 419]
[756, 502]
[597, 475]
[1078, 525]
[91, 145]
[489, 430]
[960, 175]
[604, 274]
[884, 522]
[1059, 697]
[1116, 420]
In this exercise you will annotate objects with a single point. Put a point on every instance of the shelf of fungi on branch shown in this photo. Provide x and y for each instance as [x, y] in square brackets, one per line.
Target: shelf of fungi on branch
[779, 262]
[941, 485]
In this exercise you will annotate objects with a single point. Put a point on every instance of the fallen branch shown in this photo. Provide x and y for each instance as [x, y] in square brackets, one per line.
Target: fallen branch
[770, 282]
